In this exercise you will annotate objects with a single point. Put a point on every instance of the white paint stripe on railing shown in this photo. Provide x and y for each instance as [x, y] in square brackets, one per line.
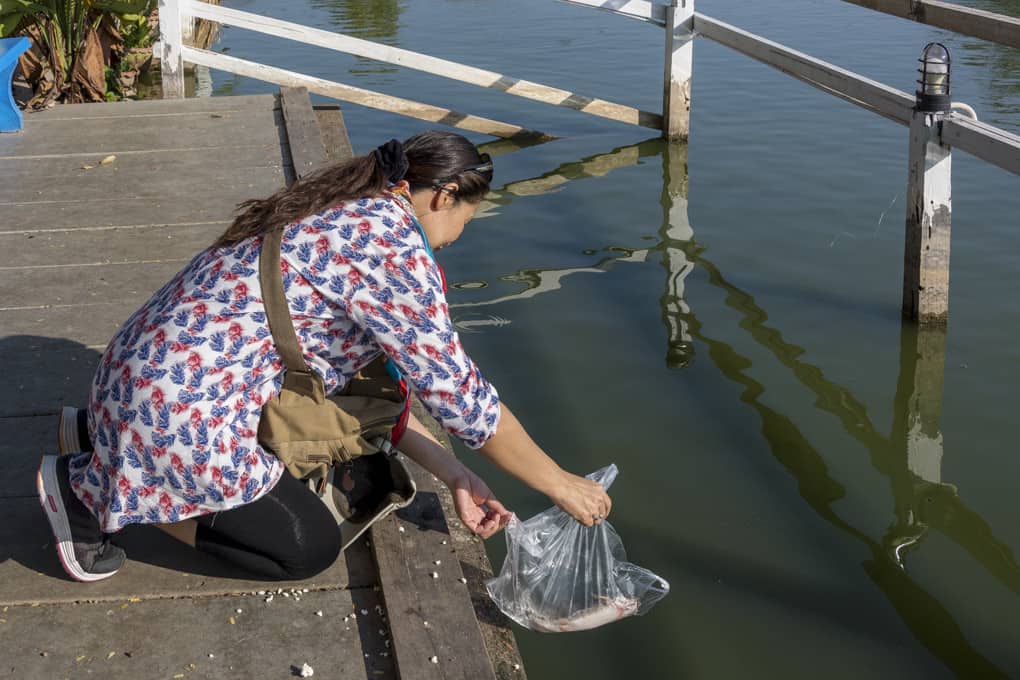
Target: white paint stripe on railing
[870, 94]
[421, 62]
[356, 95]
[978, 23]
[987, 142]
[632, 9]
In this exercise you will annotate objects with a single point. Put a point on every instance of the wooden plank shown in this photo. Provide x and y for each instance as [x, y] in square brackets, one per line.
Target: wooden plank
[423, 62]
[978, 23]
[171, 42]
[103, 181]
[92, 247]
[929, 216]
[78, 284]
[91, 325]
[852, 87]
[211, 206]
[428, 616]
[357, 95]
[95, 136]
[632, 9]
[988, 143]
[307, 153]
[155, 107]
[151, 166]
[267, 641]
[678, 71]
[334, 133]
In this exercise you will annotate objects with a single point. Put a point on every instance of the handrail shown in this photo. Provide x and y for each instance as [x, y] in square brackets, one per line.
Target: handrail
[357, 95]
[422, 62]
[884, 100]
[977, 23]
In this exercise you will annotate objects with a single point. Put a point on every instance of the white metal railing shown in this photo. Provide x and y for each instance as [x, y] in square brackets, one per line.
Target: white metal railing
[931, 137]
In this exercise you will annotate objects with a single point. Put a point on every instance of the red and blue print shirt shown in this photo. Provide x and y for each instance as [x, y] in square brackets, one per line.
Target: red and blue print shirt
[175, 403]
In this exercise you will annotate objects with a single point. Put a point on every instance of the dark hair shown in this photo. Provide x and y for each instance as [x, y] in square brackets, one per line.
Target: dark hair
[434, 158]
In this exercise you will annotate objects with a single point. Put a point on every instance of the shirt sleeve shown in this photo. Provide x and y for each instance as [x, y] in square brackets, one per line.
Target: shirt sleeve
[395, 294]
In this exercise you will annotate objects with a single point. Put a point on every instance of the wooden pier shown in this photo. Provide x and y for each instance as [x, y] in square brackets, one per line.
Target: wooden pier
[100, 205]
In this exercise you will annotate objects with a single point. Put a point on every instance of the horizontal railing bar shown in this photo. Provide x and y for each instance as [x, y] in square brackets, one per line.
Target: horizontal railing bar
[870, 94]
[355, 95]
[422, 62]
[977, 23]
[632, 9]
[984, 141]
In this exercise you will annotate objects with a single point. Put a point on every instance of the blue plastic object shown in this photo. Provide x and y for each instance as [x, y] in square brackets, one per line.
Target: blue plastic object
[10, 50]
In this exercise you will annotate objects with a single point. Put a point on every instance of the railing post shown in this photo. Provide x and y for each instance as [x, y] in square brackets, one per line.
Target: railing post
[171, 58]
[679, 64]
[929, 204]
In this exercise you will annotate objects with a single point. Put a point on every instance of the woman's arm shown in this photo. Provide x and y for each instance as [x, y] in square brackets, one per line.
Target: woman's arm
[512, 450]
[474, 502]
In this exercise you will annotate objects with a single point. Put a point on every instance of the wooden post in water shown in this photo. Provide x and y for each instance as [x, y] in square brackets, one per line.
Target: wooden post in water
[929, 205]
[171, 63]
[679, 64]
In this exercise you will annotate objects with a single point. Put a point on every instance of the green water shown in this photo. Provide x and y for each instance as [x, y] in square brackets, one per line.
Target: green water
[828, 494]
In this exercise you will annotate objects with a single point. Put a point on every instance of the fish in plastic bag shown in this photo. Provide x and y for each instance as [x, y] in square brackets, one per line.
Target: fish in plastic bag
[561, 576]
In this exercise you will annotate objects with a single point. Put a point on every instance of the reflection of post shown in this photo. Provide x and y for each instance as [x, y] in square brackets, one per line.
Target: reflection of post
[676, 233]
[924, 406]
[916, 436]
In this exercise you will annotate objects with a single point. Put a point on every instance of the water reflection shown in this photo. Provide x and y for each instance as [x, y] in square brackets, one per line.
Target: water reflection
[377, 20]
[909, 458]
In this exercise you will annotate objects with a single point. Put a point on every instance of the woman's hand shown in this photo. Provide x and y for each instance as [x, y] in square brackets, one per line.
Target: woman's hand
[581, 498]
[476, 506]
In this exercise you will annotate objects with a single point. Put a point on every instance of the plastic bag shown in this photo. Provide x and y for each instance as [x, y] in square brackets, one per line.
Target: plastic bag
[560, 575]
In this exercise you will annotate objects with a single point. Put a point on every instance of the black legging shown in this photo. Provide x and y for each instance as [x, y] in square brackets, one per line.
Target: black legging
[286, 534]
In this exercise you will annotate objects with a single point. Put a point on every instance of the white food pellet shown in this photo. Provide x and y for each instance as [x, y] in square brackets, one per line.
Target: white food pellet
[305, 590]
[212, 656]
[364, 612]
[462, 579]
[444, 542]
[435, 574]
[286, 594]
[434, 659]
[297, 599]
[269, 598]
[438, 562]
[426, 623]
[261, 592]
[307, 671]
[318, 613]
[238, 610]
[517, 666]
[400, 529]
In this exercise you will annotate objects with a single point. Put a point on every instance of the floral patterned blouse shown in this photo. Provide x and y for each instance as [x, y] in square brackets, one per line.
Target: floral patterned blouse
[175, 402]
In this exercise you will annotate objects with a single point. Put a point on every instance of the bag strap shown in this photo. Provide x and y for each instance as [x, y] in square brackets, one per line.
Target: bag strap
[299, 378]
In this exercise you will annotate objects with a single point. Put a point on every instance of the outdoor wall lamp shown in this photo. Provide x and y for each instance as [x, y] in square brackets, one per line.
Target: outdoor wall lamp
[933, 94]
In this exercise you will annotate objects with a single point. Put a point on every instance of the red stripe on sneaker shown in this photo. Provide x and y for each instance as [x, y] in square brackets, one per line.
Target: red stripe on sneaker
[53, 503]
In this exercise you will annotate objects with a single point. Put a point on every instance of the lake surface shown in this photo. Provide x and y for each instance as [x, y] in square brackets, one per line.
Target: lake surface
[828, 493]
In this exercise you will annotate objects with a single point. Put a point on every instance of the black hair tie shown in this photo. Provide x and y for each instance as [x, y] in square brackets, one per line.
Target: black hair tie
[392, 159]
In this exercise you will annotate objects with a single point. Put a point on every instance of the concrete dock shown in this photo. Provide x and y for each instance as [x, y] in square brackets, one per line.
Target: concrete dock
[99, 205]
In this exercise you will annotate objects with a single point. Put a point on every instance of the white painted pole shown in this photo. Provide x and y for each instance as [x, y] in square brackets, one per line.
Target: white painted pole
[929, 212]
[679, 65]
[172, 41]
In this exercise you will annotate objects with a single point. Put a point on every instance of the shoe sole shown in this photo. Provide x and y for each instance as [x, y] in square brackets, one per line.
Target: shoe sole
[46, 480]
[67, 431]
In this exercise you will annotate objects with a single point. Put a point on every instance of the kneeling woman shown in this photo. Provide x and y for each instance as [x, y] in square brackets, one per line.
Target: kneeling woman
[174, 407]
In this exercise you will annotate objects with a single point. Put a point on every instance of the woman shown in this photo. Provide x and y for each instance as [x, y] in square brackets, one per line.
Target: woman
[174, 407]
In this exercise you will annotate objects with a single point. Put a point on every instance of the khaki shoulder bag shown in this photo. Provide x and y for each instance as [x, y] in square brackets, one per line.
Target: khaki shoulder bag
[303, 427]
